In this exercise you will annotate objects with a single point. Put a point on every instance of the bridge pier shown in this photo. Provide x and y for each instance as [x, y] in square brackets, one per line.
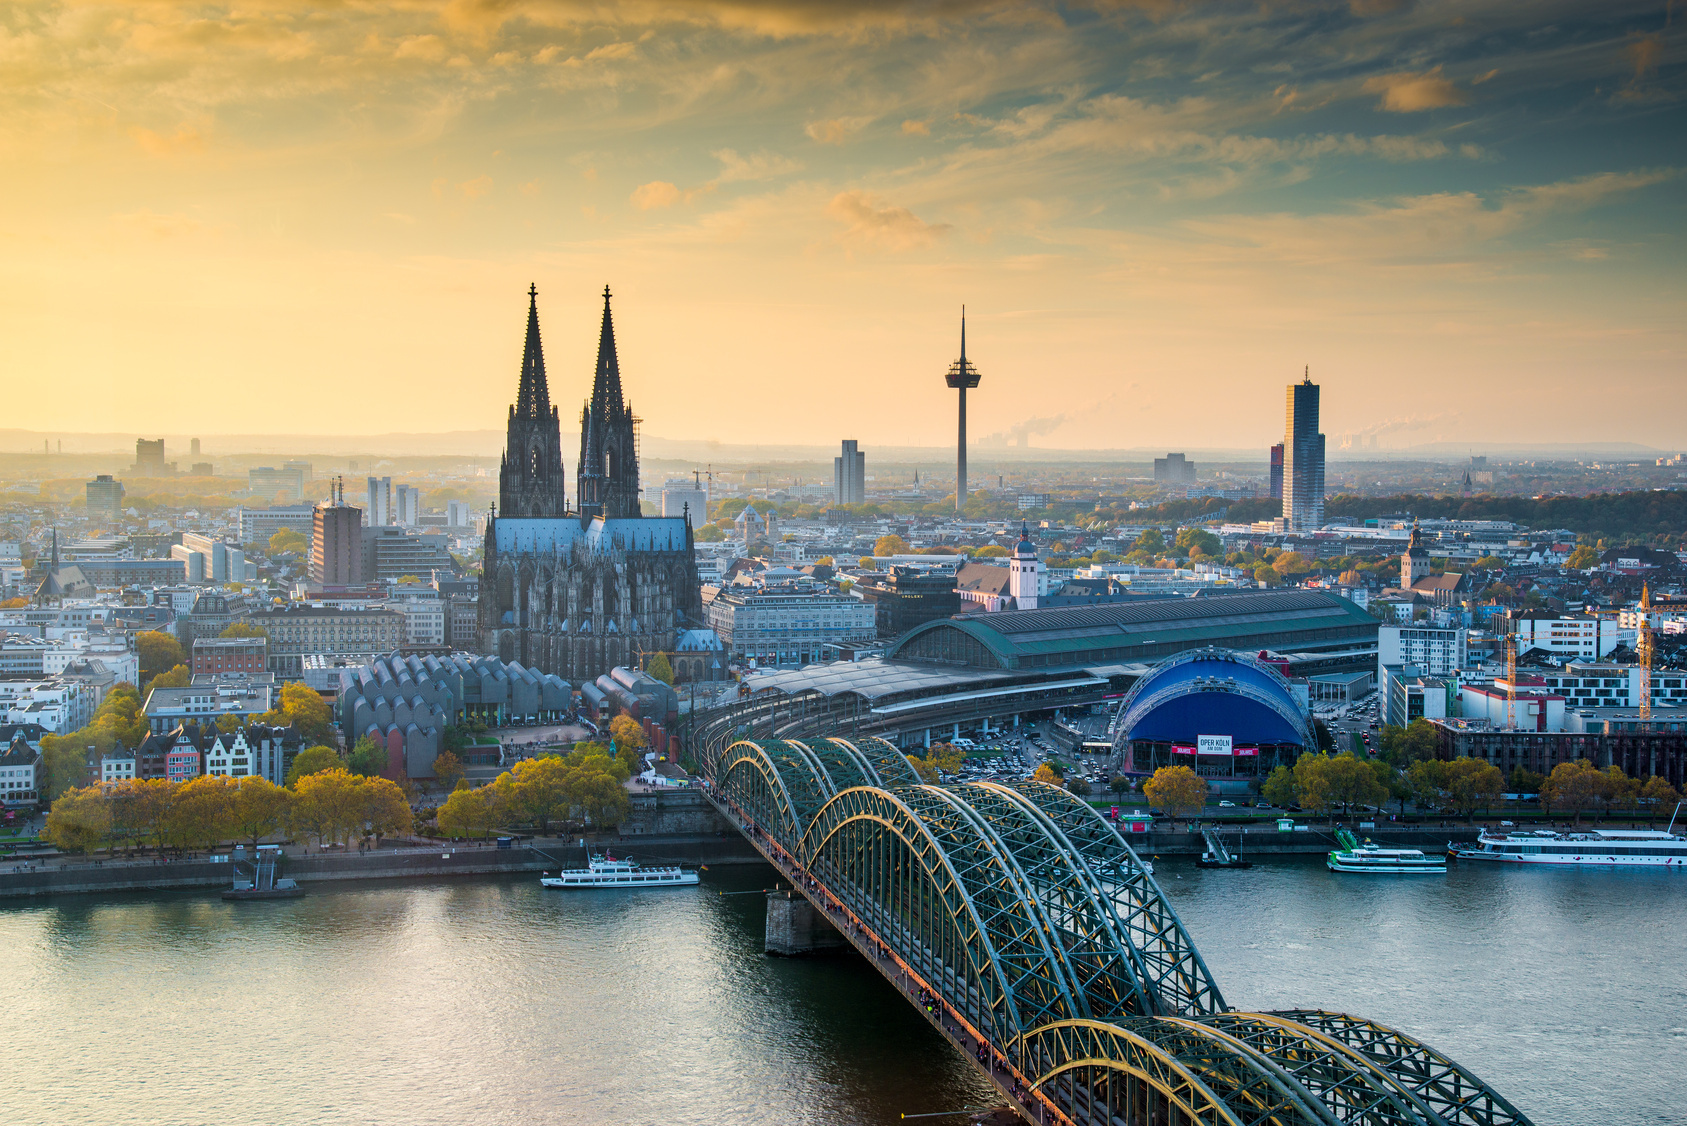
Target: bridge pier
[795, 927]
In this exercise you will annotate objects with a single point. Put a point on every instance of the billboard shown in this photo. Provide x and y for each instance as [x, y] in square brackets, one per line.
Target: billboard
[1212, 744]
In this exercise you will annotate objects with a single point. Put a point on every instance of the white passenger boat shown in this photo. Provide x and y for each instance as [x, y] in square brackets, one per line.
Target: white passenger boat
[1370, 860]
[1599, 848]
[607, 872]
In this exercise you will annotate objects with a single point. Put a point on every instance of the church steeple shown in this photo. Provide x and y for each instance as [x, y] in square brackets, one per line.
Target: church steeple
[533, 400]
[608, 470]
[531, 482]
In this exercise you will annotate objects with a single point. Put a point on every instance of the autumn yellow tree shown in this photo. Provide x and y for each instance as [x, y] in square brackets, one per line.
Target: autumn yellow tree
[178, 677]
[311, 760]
[539, 789]
[447, 768]
[79, 821]
[326, 805]
[1472, 784]
[1655, 793]
[629, 738]
[1047, 772]
[1178, 790]
[258, 809]
[1576, 785]
[890, 545]
[302, 707]
[468, 812]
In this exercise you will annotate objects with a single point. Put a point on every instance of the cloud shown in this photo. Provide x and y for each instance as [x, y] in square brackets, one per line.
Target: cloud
[868, 223]
[657, 193]
[837, 130]
[1410, 93]
[612, 51]
[757, 166]
[912, 128]
[477, 187]
[185, 139]
[428, 48]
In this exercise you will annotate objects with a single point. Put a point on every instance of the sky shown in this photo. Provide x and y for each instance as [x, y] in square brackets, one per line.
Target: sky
[1465, 219]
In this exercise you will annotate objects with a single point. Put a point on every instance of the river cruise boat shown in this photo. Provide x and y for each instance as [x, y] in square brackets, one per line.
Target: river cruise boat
[608, 872]
[1370, 860]
[1597, 848]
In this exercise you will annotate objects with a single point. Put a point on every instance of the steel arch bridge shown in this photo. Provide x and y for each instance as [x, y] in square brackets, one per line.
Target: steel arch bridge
[1033, 936]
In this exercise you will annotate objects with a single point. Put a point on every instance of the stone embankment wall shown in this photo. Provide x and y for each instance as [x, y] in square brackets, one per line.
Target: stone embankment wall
[1312, 842]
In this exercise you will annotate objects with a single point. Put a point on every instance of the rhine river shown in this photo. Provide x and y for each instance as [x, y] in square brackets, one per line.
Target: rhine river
[491, 1002]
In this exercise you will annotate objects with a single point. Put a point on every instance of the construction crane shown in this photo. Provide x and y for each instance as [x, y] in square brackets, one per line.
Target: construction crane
[1643, 649]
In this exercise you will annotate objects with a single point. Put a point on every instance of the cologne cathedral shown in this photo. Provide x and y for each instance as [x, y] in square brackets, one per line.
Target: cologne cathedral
[578, 592]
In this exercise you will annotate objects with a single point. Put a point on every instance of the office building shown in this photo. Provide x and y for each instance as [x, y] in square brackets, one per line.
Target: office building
[257, 525]
[193, 447]
[217, 655]
[223, 562]
[105, 498]
[409, 510]
[379, 508]
[1303, 464]
[849, 475]
[273, 485]
[1567, 638]
[336, 550]
[682, 498]
[298, 631]
[459, 514]
[909, 597]
[1277, 471]
[1408, 694]
[149, 458]
[393, 553]
[1173, 469]
[788, 623]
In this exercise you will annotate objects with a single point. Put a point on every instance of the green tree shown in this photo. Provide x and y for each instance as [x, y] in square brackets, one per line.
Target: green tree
[1427, 778]
[287, 539]
[1119, 784]
[1198, 541]
[1392, 779]
[1280, 787]
[661, 668]
[1150, 541]
[158, 652]
[368, 758]
[1473, 784]
[1266, 575]
[313, 760]
[1178, 790]
[1525, 781]
[1402, 746]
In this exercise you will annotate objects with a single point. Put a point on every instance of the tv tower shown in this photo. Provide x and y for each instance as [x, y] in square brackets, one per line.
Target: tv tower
[962, 375]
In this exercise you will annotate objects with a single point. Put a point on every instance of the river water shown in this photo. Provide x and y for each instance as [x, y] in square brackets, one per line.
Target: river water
[487, 1001]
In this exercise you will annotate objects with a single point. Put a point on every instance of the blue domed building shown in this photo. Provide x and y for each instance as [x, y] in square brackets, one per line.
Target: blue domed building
[1222, 714]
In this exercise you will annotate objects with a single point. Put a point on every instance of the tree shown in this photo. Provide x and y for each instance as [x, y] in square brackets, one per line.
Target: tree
[540, 789]
[259, 808]
[1402, 746]
[1525, 781]
[1198, 541]
[158, 652]
[79, 821]
[1657, 791]
[201, 813]
[661, 668]
[1312, 779]
[368, 758]
[313, 760]
[629, 739]
[1150, 542]
[890, 545]
[383, 806]
[179, 677]
[1392, 779]
[1266, 575]
[1119, 784]
[1621, 791]
[1473, 784]
[301, 707]
[1280, 787]
[1178, 790]
[447, 768]
[1584, 558]
[246, 629]
[1351, 782]
[1427, 778]
[866, 562]
[468, 812]
[1574, 785]
[1048, 773]
[329, 804]
[287, 539]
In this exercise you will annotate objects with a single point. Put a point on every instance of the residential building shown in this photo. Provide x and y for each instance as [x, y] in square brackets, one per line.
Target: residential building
[217, 655]
[787, 623]
[256, 750]
[183, 762]
[424, 619]
[1303, 464]
[849, 475]
[105, 498]
[118, 765]
[223, 562]
[336, 551]
[379, 507]
[1276, 476]
[1173, 469]
[296, 631]
[459, 514]
[58, 704]
[462, 621]
[20, 772]
[1431, 650]
[210, 614]
[257, 525]
[274, 485]
[408, 512]
[1601, 685]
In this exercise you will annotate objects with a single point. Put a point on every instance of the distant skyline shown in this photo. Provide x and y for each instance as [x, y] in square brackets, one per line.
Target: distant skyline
[1467, 218]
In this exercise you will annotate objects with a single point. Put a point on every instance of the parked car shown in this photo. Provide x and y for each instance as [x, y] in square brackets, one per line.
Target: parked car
[1227, 805]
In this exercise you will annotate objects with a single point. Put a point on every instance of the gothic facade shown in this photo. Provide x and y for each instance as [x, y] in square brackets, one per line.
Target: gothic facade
[578, 592]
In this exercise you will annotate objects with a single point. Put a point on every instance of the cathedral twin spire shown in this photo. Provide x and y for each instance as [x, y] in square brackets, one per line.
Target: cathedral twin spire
[531, 479]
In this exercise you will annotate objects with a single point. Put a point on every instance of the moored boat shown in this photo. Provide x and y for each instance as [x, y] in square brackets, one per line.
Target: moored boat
[608, 872]
[1592, 848]
[1368, 859]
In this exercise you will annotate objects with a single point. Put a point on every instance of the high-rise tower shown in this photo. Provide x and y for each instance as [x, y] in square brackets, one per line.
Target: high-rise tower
[530, 480]
[962, 376]
[1303, 459]
[608, 473]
